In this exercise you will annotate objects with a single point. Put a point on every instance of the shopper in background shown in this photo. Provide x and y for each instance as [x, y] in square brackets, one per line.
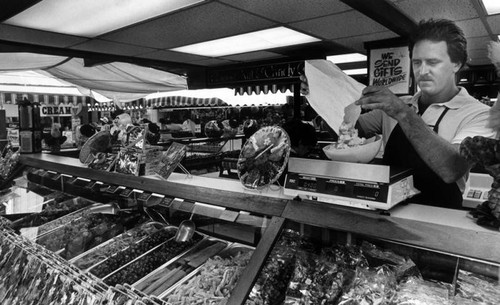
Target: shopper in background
[303, 140]
[426, 136]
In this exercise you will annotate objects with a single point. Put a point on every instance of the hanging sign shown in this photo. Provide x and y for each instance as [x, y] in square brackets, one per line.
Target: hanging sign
[287, 72]
[390, 67]
[55, 110]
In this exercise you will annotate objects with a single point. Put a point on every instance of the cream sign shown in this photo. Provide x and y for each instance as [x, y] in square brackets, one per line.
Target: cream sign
[53, 110]
[390, 67]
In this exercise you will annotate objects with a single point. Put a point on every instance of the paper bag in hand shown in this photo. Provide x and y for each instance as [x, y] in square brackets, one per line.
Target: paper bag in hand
[331, 91]
[171, 158]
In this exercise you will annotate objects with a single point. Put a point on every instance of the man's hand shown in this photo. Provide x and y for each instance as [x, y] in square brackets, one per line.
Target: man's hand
[382, 98]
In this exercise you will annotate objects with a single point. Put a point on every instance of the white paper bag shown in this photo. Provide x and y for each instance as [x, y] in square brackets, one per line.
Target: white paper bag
[331, 91]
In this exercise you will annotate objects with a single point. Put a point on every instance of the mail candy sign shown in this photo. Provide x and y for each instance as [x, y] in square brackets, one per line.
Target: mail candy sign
[390, 67]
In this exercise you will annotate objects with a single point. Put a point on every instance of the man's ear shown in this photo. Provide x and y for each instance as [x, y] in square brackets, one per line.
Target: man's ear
[457, 66]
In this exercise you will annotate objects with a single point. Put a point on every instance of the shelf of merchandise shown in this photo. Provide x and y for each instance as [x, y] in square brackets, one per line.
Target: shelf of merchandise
[438, 230]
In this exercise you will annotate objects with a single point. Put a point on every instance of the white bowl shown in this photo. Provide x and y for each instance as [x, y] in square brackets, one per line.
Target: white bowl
[359, 154]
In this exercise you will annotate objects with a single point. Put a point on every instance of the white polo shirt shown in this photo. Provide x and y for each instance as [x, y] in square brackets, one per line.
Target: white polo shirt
[467, 117]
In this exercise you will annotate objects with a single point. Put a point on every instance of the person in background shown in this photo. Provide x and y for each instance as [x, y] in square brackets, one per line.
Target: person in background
[424, 132]
[303, 140]
[303, 143]
[83, 133]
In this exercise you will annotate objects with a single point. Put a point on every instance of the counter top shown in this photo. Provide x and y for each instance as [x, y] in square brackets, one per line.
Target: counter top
[428, 227]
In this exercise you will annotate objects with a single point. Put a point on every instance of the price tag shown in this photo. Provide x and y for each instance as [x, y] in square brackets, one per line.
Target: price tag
[144, 196]
[112, 189]
[167, 202]
[125, 192]
[229, 215]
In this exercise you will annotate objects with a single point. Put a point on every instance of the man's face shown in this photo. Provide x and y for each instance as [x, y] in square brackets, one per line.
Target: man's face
[432, 67]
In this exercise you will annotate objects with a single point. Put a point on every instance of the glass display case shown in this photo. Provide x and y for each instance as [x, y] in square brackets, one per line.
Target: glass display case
[114, 234]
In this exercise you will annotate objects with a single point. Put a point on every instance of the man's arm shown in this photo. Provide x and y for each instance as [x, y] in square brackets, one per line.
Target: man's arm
[440, 155]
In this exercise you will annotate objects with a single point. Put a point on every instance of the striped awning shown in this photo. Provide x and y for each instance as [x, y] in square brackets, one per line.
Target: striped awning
[184, 101]
[12, 97]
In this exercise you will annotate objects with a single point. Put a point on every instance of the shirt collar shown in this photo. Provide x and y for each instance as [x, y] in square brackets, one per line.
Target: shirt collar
[456, 102]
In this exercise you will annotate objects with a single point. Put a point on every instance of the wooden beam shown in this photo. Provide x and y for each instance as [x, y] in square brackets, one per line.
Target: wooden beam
[10, 8]
[257, 262]
[235, 200]
[385, 13]
[94, 57]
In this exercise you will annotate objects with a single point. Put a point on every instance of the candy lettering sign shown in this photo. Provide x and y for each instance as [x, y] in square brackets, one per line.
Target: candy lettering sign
[390, 67]
[55, 110]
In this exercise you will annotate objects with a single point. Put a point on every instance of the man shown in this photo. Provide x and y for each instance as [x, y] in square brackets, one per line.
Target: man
[426, 136]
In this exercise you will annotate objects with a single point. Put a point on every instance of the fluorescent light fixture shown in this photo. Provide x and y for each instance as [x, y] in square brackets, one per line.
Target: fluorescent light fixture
[498, 36]
[260, 40]
[90, 18]
[356, 71]
[492, 6]
[346, 58]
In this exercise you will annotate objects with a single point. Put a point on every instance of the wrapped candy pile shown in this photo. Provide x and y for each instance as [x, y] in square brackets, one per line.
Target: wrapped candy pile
[485, 152]
[8, 162]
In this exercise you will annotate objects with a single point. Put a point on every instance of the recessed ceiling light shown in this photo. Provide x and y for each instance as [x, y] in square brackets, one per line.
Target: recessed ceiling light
[90, 18]
[345, 58]
[356, 71]
[260, 40]
[492, 6]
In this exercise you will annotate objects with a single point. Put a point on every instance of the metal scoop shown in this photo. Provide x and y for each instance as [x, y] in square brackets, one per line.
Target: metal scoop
[111, 208]
[185, 231]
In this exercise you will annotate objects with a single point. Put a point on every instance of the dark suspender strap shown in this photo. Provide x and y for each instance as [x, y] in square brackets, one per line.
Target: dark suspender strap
[436, 127]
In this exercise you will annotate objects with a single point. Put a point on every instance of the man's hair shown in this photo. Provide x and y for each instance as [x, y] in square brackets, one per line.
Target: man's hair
[442, 30]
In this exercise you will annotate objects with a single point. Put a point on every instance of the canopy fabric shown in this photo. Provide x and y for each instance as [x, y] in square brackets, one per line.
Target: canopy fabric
[119, 81]
[28, 61]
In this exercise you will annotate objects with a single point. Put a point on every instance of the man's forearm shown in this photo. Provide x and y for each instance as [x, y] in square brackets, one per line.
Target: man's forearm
[440, 155]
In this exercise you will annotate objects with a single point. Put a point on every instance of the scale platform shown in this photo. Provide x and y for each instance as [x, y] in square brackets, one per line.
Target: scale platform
[367, 186]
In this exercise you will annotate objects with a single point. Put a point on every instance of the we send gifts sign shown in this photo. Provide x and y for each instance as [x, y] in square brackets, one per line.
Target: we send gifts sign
[390, 67]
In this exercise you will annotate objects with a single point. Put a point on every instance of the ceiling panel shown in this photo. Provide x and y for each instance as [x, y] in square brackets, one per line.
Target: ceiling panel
[347, 24]
[201, 23]
[357, 42]
[286, 11]
[342, 29]
[438, 9]
[72, 17]
[473, 27]
[494, 23]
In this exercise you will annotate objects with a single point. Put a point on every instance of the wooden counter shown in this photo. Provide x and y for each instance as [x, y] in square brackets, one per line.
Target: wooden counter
[438, 229]
[441, 230]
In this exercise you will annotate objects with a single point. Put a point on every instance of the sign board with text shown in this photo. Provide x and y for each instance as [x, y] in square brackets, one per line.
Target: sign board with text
[390, 67]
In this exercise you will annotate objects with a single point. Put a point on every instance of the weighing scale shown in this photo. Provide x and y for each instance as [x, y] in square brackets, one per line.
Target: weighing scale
[367, 186]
